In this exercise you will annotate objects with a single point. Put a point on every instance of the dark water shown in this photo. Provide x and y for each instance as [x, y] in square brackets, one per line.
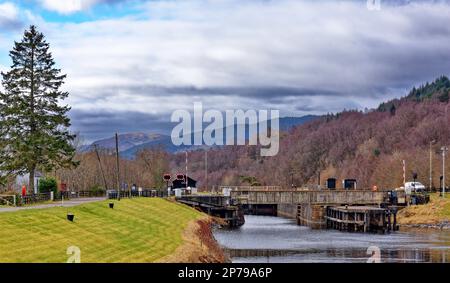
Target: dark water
[275, 239]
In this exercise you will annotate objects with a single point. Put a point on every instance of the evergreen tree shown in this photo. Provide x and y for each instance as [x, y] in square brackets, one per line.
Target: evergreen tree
[393, 109]
[33, 126]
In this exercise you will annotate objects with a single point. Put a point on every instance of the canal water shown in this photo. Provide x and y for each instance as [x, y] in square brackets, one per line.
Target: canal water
[267, 239]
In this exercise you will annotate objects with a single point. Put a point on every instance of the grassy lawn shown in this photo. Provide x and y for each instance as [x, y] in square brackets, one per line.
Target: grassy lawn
[437, 210]
[136, 230]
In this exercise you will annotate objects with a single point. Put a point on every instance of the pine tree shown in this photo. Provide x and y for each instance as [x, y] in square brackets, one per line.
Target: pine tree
[33, 126]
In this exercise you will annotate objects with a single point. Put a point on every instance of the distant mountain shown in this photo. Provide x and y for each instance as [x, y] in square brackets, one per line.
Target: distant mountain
[126, 141]
[286, 123]
[131, 143]
[163, 141]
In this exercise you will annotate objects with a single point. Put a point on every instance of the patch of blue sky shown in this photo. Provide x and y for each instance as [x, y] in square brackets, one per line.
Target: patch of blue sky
[95, 13]
[100, 11]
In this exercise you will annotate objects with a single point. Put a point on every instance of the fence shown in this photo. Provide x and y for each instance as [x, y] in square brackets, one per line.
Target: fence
[86, 194]
[218, 201]
[29, 199]
[219, 189]
[8, 200]
[144, 193]
[42, 197]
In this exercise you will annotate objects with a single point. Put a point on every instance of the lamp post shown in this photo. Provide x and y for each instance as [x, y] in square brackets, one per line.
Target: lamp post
[444, 150]
[186, 170]
[206, 169]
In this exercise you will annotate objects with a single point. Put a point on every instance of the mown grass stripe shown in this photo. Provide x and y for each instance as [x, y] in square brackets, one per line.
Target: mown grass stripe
[136, 230]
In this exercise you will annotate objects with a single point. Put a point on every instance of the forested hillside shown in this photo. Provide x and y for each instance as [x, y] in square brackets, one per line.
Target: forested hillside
[367, 146]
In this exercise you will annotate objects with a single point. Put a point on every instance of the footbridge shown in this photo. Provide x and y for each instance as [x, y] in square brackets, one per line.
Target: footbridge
[341, 197]
[307, 206]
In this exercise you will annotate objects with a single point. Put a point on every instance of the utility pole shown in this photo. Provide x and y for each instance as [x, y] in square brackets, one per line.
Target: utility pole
[206, 169]
[431, 164]
[444, 150]
[101, 168]
[404, 172]
[292, 179]
[318, 180]
[186, 170]
[117, 167]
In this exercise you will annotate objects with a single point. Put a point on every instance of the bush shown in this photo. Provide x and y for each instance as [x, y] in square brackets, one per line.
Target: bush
[47, 185]
[97, 189]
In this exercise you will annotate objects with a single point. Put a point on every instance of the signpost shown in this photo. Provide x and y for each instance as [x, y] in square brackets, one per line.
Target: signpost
[167, 178]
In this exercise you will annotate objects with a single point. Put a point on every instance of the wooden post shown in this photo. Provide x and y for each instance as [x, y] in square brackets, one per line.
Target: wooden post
[101, 168]
[389, 221]
[365, 222]
[395, 220]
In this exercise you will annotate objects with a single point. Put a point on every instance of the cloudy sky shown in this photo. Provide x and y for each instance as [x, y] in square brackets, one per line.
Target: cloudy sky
[130, 63]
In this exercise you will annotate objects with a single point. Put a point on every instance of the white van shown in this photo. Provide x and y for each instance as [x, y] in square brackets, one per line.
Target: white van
[411, 187]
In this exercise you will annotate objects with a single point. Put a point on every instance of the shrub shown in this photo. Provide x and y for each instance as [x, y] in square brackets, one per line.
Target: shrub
[97, 189]
[47, 185]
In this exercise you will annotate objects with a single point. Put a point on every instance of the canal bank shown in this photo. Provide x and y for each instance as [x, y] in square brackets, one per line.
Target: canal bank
[270, 239]
[199, 245]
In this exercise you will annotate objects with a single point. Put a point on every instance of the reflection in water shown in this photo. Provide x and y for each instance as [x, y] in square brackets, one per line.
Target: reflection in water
[274, 239]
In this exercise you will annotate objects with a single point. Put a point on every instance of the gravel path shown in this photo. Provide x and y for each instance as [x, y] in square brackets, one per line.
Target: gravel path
[66, 203]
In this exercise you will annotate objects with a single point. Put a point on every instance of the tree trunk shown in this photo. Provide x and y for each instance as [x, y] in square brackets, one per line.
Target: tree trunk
[31, 181]
[32, 120]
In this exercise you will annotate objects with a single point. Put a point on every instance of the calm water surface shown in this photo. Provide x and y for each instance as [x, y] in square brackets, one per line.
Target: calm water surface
[276, 239]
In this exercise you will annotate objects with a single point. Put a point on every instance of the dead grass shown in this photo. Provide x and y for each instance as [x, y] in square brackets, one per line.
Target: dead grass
[199, 245]
[435, 212]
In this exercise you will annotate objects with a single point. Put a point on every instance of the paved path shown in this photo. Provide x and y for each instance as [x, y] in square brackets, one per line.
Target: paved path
[67, 203]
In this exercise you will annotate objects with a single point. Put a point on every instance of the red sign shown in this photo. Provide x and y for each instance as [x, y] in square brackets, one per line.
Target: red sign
[24, 191]
[63, 187]
[167, 177]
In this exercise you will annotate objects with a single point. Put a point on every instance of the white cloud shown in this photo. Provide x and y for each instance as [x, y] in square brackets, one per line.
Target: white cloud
[8, 14]
[336, 53]
[68, 6]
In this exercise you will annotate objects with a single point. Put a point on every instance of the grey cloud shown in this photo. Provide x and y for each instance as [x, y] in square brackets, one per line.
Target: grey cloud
[10, 25]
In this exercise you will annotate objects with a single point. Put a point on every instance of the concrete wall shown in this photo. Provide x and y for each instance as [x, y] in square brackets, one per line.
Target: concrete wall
[315, 197]
[312, 216]
[260, 209]
[287, 210]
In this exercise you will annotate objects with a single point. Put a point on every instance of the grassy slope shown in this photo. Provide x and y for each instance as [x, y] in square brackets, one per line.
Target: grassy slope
[436, 211]
[137, 230]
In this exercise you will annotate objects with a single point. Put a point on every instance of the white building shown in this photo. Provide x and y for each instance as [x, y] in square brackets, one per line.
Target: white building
[23, 180]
